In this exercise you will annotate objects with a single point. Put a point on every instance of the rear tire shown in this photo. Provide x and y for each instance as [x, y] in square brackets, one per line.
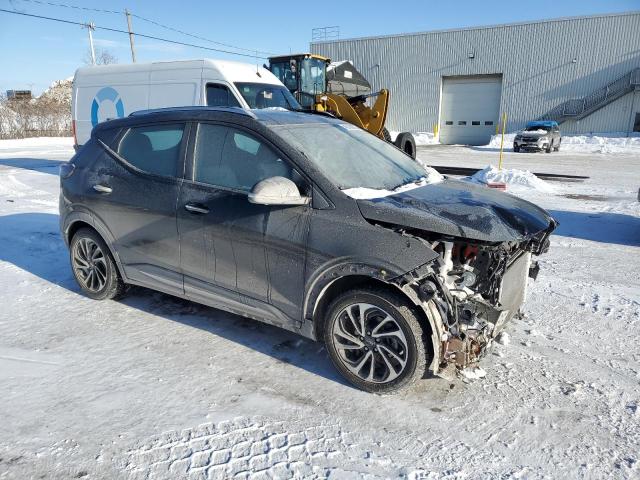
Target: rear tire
[93, 266]
[516, 149]
[386, 135]
[406, 143]
[375, 340]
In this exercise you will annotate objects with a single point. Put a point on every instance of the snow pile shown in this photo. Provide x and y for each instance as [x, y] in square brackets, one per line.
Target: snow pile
[59, 91]
[512, 177]
[604, 143]
[367, 193]
[617, 142]
[421, 138]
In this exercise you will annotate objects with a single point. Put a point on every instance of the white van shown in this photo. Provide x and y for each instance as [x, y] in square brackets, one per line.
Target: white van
[112, 91]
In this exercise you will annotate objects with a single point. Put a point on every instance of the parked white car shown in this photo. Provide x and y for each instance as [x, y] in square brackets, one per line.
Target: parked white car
[114, 91]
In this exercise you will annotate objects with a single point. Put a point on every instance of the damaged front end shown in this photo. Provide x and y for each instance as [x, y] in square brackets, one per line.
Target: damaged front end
[485, 241]
[471, 291]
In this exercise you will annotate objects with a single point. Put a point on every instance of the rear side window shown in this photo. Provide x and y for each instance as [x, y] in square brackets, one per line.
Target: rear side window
[232, 158]
[154, 149]
[220, 96]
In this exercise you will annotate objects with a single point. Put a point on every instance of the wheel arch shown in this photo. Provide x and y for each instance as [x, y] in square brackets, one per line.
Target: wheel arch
[358, 280]
[78, 220]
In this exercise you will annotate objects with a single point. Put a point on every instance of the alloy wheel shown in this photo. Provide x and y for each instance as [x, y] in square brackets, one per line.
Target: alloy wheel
[370, 343]
[89, 264]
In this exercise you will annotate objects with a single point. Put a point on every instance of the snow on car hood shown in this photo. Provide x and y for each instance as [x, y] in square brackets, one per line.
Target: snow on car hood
[369, 193]
[459, 209]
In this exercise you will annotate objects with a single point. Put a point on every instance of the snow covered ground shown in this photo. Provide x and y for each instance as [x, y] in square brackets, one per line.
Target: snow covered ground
[157, 387]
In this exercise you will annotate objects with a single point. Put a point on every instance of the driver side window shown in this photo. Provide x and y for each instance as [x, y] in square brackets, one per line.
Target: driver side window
[232, 158]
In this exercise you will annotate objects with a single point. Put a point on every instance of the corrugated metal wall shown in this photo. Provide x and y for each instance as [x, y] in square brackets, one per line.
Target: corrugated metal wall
[536, 61]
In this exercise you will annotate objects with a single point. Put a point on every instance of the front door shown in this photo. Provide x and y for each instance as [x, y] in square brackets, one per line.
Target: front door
[237, 255]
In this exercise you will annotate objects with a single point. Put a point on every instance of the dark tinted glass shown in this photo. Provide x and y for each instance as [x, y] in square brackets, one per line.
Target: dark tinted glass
[232, 158]
[154, 149]
[220, 96]
[261, 95]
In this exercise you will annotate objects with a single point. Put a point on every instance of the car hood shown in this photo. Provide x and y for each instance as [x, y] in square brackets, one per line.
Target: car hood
[460, 209]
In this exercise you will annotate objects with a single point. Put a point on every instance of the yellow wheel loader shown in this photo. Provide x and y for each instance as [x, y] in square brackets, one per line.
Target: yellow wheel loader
[339, 89]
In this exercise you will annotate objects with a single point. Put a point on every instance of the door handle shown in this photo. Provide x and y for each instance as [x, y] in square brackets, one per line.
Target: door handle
[190, 207]
[102, 188]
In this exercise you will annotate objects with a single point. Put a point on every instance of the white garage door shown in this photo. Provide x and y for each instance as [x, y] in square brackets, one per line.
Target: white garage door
[469, 109]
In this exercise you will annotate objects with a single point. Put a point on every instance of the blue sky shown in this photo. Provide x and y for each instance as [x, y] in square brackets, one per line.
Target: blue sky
[36, 52]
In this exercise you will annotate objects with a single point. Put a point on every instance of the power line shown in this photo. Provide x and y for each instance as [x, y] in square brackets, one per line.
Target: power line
[116, 30]
[161, 25]
[76, 7]
[199, 37]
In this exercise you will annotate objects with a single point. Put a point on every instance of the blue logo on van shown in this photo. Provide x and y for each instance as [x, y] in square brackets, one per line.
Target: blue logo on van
[106, 93]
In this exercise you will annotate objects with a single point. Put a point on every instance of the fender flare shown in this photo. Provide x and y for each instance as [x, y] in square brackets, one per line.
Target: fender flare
[89, 218]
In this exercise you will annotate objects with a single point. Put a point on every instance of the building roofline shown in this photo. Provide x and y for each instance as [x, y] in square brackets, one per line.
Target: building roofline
[480, 27]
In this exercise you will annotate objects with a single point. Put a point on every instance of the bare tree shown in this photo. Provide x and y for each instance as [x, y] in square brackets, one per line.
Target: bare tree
[103, 57]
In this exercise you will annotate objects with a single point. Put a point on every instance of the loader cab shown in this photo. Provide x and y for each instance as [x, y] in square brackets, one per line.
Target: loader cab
[305, 75]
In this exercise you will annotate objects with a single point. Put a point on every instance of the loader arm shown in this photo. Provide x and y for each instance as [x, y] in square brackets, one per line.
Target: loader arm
[354, 110]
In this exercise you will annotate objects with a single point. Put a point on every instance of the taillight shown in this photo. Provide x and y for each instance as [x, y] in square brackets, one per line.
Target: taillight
[73, 129]
[67, 169]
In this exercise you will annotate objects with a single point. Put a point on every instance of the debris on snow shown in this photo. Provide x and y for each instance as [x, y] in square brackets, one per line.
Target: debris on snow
[503, 338]
[473, 373]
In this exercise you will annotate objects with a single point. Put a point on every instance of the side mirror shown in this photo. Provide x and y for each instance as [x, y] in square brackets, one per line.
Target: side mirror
[277, 191]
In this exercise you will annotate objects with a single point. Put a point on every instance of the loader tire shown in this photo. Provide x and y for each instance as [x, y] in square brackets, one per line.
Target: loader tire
[406, 143]
[386, 135]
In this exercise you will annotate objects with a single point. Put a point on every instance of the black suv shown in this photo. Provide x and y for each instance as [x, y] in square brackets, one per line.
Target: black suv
[305, 222]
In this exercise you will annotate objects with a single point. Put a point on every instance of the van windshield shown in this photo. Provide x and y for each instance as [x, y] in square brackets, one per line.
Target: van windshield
[264, 95]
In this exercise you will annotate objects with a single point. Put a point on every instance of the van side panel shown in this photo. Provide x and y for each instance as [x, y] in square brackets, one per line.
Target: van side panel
[107, 96]
[173, 95]
[175, 84]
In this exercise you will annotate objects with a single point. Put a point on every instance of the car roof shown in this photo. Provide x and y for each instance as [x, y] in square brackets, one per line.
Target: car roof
[268, 116]
[542, 123]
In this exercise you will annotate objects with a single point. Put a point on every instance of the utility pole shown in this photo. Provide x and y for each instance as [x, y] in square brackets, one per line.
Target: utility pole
[90, 28]
[133, 52]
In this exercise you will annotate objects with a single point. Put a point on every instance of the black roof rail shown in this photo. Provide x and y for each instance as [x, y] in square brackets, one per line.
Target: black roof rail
[238, 110]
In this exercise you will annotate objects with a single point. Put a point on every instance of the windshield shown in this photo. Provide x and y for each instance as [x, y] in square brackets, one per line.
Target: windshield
[286, 74]
[312, 76]
[264, 95]
[535, 128]
[351, 157]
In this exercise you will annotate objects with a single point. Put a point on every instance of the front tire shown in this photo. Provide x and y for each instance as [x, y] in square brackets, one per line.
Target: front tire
[93, 266]
[375, 340]
[516, 148]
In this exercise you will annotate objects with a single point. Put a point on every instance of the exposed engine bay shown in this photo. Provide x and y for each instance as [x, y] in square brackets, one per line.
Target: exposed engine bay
[476, 288]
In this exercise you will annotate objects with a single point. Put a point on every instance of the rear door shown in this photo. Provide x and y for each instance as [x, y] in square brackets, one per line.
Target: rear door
[232, 250]
[133, 190]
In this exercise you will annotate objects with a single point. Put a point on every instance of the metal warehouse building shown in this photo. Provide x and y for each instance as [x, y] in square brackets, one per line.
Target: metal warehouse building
[583, 72]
